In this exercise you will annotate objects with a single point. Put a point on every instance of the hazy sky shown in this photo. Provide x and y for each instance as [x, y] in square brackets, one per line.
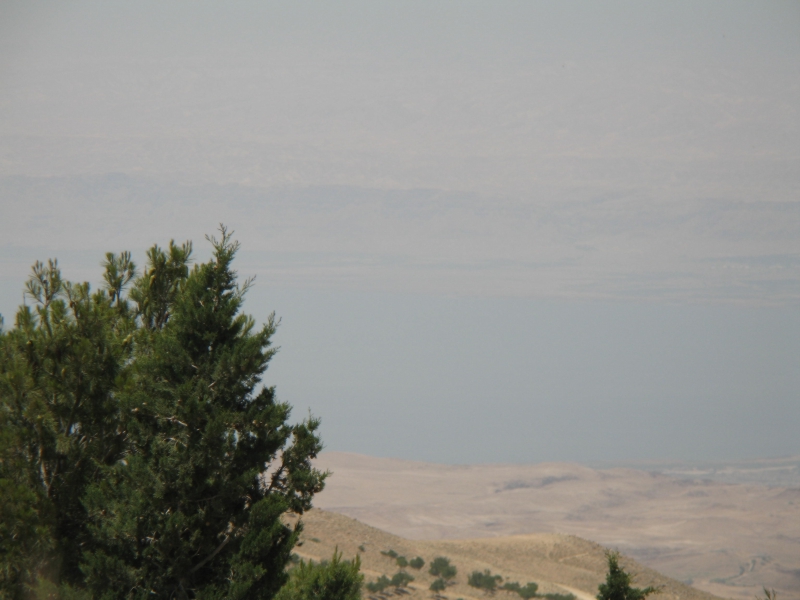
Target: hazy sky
[495, 231]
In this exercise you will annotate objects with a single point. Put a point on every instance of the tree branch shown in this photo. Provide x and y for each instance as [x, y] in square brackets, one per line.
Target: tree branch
[218, 549]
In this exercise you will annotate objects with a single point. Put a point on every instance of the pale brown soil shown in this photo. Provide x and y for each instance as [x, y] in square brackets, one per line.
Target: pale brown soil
[726, 539]
[558, 563]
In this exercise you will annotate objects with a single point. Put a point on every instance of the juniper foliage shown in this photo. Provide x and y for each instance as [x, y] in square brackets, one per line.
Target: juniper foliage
[335, 579]
[135, 434]
[618, 583]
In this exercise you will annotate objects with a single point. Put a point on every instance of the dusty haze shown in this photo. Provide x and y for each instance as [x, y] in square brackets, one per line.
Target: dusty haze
[503, 231]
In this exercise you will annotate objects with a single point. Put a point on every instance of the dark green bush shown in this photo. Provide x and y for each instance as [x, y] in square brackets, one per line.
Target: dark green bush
[441, 567]
[401, 579]
[390, 553]
[379, 584]
[438, 585]
[560, 597]
[402, 562]
[529, 591]
[416, 563]
[484, 581]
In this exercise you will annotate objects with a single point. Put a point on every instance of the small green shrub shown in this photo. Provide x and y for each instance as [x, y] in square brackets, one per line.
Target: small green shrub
[390, 553]
[401, 562]
[529, 591]
[335, 579]
[379, 584]
[438, 585]
[398, 580]
[484, 581]
[401, 579]
[558, 596]
[441, 567]
[361, 548]
[416, 563]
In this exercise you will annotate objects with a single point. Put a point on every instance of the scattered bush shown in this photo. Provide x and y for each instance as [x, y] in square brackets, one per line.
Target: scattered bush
[390, 553]
[361, 548]
[559, 596]
[379, 584]
[438, 585]
[402, 562]
[416, 563]
[398, 580]
[484, 581]
[401, 579]
[441, 567]
[529, 591]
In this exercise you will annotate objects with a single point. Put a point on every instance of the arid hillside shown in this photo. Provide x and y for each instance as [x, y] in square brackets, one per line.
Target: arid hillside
[557, 563]
[726, 539]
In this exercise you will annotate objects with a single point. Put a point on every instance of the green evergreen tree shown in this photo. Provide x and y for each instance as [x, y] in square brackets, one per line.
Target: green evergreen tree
[618, 583]
[139, 457]
[60, 368]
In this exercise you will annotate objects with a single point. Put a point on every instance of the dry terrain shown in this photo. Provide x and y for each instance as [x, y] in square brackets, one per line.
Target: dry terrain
[558, 563]
[723, 538]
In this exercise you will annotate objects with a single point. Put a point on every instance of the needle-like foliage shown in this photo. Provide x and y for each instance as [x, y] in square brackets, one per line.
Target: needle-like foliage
[618, 583]
[140, 455]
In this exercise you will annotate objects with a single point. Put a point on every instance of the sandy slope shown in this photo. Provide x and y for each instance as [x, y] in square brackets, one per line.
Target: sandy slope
[726, 539]
[558, 563]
